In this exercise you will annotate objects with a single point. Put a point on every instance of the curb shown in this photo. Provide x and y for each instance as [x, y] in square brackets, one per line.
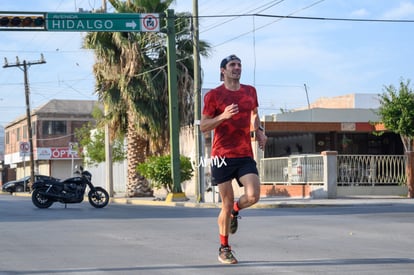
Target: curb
[151, 202]
[264, 203]
[162, 203]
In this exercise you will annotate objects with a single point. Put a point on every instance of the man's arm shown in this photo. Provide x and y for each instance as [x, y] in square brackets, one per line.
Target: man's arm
[255, 120]
[208, 123]
[260, 134]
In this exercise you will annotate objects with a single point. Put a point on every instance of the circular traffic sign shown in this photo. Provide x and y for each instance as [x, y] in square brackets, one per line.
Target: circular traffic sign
[150, 22]
[24, 147]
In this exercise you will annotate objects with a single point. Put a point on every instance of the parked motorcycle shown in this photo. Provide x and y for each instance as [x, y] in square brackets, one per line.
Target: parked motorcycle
[71, 190]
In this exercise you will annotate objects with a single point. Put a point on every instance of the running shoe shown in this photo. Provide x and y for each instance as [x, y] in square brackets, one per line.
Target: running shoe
[234, 222]
[226, 255]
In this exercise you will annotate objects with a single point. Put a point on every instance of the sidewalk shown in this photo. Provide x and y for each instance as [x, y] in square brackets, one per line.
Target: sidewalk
[274, 202]
[264, 202]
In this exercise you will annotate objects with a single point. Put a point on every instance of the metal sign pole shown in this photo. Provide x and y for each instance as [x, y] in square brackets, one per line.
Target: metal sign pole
[24, 172]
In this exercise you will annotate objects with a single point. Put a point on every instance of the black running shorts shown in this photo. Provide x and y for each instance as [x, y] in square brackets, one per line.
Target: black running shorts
[232, 168]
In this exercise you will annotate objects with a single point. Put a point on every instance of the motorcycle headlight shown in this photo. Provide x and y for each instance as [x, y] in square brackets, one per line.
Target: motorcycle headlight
[87, 175]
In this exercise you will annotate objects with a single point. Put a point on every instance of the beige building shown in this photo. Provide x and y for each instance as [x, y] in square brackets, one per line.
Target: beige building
[343, 124]
[53, 132]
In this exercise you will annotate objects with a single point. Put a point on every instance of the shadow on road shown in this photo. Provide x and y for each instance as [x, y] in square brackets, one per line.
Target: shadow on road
[245, 266]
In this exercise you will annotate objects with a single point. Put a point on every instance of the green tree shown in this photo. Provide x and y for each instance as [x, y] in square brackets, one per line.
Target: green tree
[92, 143]
[397, 114]
[131, 78]
[158, 170]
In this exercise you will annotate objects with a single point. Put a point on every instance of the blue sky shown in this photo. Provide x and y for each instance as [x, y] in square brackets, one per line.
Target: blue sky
[279, 56]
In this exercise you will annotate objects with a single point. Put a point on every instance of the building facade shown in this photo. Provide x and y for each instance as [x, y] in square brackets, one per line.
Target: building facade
[345, 124]
[53, 138]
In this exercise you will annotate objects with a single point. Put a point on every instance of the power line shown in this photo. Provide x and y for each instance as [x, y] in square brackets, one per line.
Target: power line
[336, 19]
[261, 27]
[263, 8]
[311, 18]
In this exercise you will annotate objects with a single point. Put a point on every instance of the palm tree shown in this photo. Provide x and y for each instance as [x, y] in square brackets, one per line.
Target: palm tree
[131, 77]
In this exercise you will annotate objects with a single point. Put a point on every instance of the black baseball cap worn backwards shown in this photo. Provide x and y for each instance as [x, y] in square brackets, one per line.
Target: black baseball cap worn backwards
[225, 61]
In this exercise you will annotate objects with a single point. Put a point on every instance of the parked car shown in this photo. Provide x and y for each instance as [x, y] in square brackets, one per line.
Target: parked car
[19, 185]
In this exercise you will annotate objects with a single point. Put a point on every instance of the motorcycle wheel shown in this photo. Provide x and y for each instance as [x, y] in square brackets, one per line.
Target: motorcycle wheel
[98, 197]
[39, 200]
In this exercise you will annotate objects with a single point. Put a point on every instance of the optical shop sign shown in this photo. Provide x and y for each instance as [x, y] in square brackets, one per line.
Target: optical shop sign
[46, 153]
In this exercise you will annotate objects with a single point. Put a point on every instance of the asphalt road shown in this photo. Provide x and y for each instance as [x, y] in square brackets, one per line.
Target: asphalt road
[136, 239]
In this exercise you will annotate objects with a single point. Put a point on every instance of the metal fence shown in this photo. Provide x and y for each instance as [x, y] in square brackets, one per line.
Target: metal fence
[271, 169]
[352, 170]
[301, 169]
[371, 169]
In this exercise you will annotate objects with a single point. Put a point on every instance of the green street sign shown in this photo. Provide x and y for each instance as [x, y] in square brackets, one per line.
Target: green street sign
[103, 22]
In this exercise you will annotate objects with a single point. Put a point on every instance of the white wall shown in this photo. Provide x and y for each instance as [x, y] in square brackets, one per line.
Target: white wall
[62, 169]
[120, 176]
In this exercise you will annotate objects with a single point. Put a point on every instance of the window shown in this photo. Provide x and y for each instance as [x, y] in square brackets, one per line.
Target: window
[24, 132]
[18, 134]
[33, 128]
[54, 128]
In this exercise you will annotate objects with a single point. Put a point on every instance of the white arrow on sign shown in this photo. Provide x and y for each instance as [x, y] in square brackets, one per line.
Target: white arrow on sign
[131, 24]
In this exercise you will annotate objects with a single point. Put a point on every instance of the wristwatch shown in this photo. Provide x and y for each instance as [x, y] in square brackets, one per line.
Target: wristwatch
[260, 128]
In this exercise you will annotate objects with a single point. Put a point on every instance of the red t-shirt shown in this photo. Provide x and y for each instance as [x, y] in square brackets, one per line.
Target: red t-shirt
[232, 137]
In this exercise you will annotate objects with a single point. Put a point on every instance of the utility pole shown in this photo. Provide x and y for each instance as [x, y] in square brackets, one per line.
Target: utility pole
[199, 170]
[108, 157]
[24, 68]
[307, 95]
[104, 8]
[109, 174]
